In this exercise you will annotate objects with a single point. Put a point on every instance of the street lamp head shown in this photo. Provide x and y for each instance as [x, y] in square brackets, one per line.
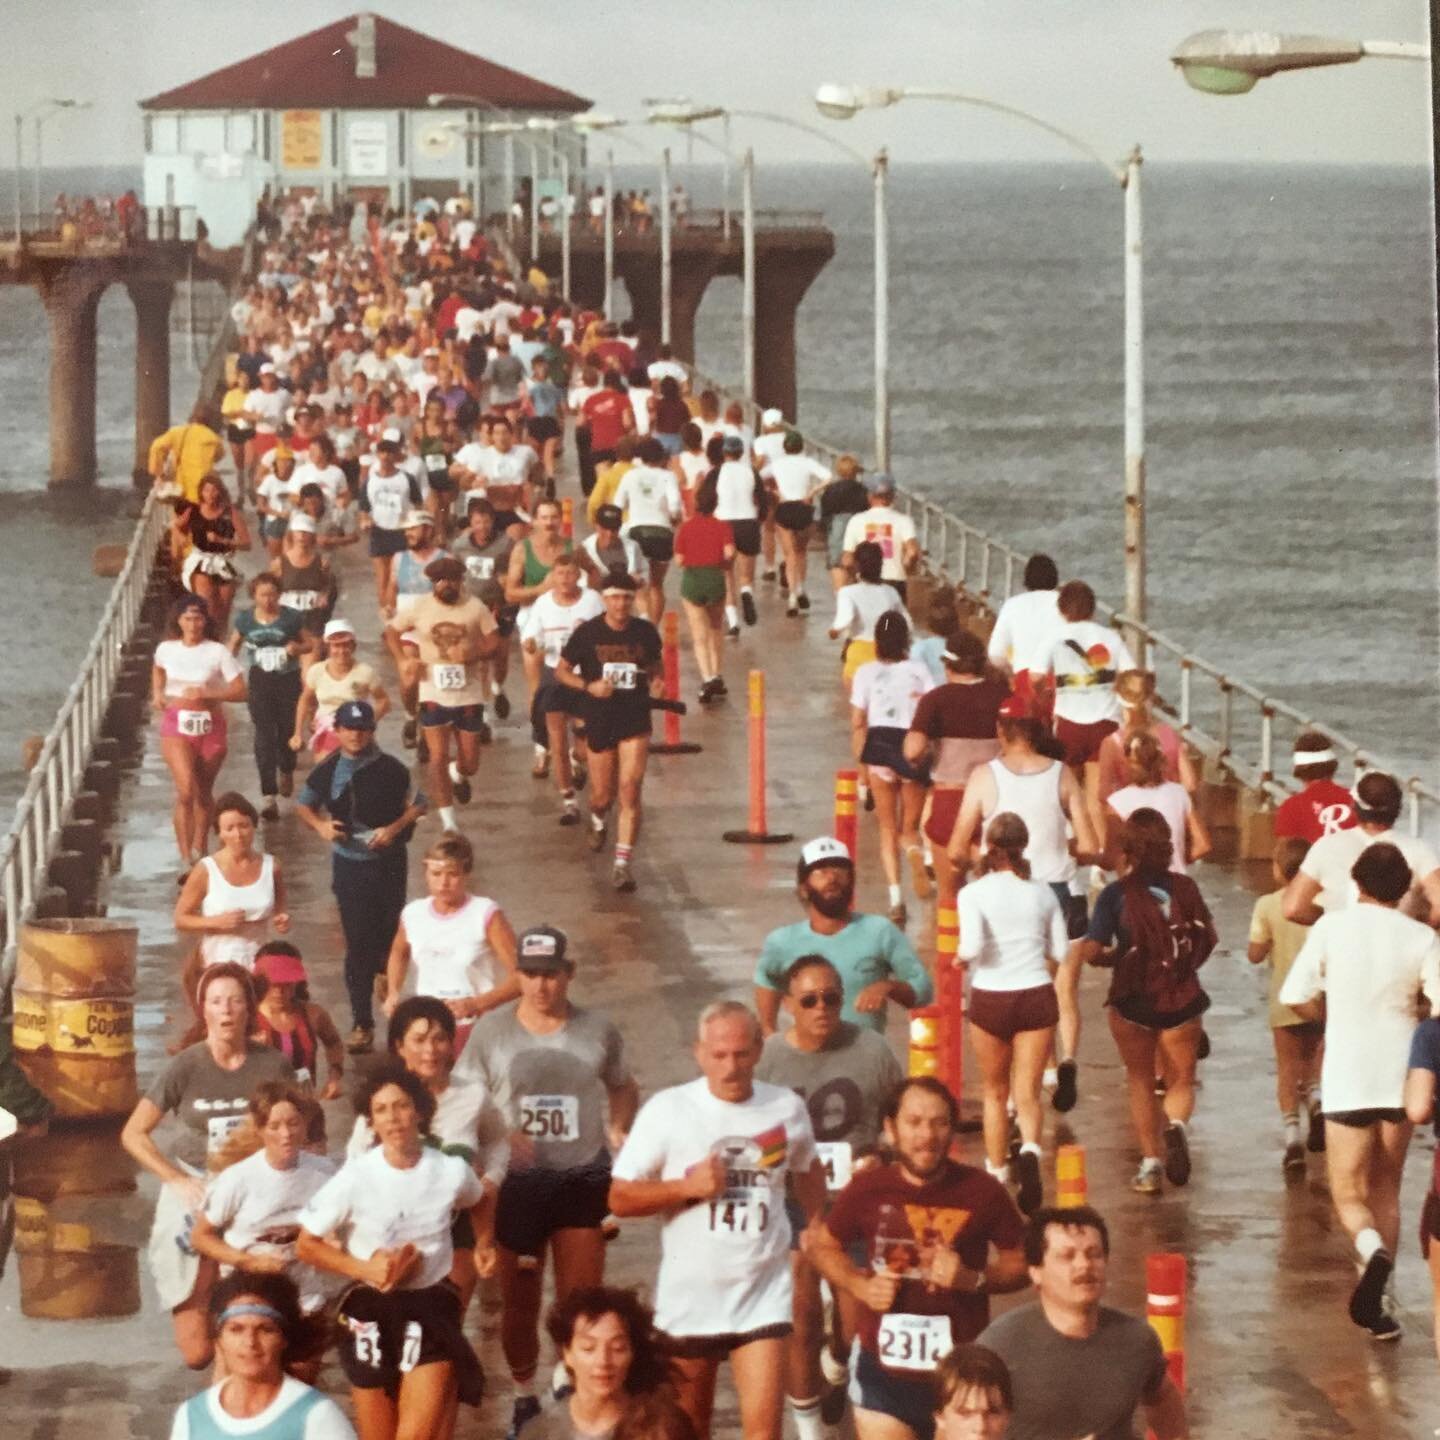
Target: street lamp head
[676, 113]
[596, 120]
[542, 122]
[843, 102]
[1231, 62]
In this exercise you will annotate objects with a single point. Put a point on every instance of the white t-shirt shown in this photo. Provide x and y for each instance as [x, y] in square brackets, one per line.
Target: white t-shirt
[377, 370]
[550, 624]
[511, 468]
[859, 606]
[450, 955]
[640, 408]
[888, 691]
[1026, 631]
[1085, 659]
[1171, 800]
[1009, 927]
[795, 476]
[649, 496]
[467, 321]
[659, 369]
[389, 498]
[1370, 963]
[323, 1421]
[724, 1264]
[1330, 859]
[769, 447]
[331, 480]
[735, 492]
[257, 1209]
[279, 495]
[887, 527]
[194, 666]
[466, 1119]
[269, 406]
[386, 1207]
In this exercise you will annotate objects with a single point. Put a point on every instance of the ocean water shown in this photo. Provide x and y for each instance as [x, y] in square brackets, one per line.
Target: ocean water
[1290, 370]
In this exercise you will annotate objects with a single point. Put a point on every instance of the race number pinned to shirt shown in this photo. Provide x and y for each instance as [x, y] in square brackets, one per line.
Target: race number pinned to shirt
[271, 658]
[447, 677]
[219, 1128]
[436, 464]
[550, 1117]
[302, 600]
[194, 723]
[745, 1207]
[839, 1161]
[480, 567]
[914, 1344]
[621, 674]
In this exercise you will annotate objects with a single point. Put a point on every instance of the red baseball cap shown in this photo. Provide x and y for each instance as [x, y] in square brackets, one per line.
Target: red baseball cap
[281, 969]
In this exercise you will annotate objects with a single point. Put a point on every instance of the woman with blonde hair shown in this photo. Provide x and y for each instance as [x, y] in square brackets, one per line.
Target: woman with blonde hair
[1135, 690]
[1148, 786]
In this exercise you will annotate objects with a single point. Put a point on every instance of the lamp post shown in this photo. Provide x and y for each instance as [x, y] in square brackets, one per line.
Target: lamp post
[667, 266]
[1233, 62]
[747, 299]
[841, 102]
[54, 108]
[41, 111]
[509, 127]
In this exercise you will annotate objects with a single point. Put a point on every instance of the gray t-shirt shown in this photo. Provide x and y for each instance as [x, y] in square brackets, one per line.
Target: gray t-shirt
[554, 1423]
[1071, 1388]
[210, 1102]
[844, 1086]
[553, 1087]
[504, 375]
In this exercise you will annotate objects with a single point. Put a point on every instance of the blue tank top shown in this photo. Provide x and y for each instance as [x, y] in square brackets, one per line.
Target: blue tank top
[289, 1424]
[410, 573]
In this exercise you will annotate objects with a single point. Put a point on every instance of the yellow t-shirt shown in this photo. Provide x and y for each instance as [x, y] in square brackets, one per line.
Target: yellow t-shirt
[1268, 922]
[607, 482]
[358, 683]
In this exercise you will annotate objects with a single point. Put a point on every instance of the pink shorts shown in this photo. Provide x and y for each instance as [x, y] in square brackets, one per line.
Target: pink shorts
[210, 746]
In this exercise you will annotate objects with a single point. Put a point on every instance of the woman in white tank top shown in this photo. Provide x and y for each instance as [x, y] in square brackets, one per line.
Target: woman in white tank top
[451, 944]
[1148, 787]
[234, 898]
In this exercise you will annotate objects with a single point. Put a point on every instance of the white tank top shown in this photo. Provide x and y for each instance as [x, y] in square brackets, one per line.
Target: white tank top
[258, 903]
[450, 955]
[1036, 800]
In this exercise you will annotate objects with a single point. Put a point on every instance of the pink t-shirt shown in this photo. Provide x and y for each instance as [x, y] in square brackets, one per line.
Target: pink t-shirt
[1170, 799]
[1115, 773]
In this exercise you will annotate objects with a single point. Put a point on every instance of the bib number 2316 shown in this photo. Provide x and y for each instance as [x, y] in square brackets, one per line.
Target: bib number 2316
[914, 1342]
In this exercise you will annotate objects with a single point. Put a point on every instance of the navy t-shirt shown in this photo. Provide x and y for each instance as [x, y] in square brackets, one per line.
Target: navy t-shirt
[263, 638]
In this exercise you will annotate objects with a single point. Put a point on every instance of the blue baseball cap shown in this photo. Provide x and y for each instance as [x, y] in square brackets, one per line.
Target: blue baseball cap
[355, 715]
[881, 484]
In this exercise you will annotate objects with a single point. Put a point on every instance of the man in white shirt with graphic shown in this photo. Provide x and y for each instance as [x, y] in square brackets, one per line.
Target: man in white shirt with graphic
[891, 529]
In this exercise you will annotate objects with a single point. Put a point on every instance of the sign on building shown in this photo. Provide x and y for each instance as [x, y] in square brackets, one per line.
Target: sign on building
[367, 148]
[302, 140]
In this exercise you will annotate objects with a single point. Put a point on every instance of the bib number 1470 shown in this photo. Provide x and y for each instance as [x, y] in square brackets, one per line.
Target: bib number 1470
[739, 1217]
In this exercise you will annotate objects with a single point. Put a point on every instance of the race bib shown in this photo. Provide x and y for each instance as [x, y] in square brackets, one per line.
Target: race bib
[436, 464]
[194, 722]
[550, 1117]
[480, 567]
[621, 675]
[272, 657]
[303, 1075]
[219, 1128]
[914, 1343]
[447, 677]
[366, 1334]
[839, 1161]
[745, 1207]
[302, 599]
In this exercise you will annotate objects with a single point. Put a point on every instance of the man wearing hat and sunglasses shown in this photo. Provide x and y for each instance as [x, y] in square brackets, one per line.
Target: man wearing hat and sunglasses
[874, 960]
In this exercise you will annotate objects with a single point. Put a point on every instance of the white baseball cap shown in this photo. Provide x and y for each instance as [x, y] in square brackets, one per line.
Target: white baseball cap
[303, 522]
[824, 850]
[391, 437]
[417, 517]
[267, 368]
[338, 627]
[772, 417]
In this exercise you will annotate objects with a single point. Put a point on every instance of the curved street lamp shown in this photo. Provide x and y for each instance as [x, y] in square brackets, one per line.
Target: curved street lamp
[1233, 62]
[842, 102]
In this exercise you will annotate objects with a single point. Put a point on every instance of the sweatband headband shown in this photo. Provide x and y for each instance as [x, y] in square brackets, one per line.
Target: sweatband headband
[1314, 757]
[251, 1307]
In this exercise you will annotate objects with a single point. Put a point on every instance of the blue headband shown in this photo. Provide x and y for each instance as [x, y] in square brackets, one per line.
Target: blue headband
[250, 1307]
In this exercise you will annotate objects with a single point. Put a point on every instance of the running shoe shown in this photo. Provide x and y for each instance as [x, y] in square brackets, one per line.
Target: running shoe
[1067, 1088]
[919, 876]
[899, 915]
[792, 609]
[622, 879]
[767, 575]
[486, 734]
[502, 705]
[834, 1395]
[596, 838]
[462, 790]
[747, 608]
[609, 1228]
[1032, 1187]
[720, 687]
[705, 694]
[570, 815]
[541, 768]
[410, 734]
[1367, 1300]
[270, 810]
[803, 601]
[527, 1407]
[1294, 1156]
[361, 1040]
[1315, 1140]
[1387, 1327]
[1177, 1154]
[733, 631]
[1149, 1178]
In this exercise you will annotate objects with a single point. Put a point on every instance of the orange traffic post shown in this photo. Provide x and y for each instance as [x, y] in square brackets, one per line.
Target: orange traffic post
[1165, 1276]
[924, 1058]
[757, 834]
[567, 518]
[670, 657]
[847, 816]
[950, 1002]
[1071, 1188]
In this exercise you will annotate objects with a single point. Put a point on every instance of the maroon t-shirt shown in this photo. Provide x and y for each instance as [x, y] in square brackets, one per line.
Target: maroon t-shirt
[1321, 808]
[961, 717]
[900, 1223]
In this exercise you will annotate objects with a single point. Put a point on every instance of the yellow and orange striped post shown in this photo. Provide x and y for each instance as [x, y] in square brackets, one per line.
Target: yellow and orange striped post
[924, 1058]
[950, 1002]
[1165, 1276]
[567, 518]
[1071, 1187]
[847, 813]
[757, 834]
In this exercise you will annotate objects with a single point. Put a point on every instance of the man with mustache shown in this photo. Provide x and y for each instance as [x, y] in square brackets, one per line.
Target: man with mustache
[874, 960]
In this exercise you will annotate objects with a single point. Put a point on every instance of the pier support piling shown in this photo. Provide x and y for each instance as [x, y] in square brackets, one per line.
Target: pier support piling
[72, 298]
[151, 297]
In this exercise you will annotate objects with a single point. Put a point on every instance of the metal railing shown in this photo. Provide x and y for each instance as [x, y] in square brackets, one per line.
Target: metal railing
[1238, 727]
[59, 770]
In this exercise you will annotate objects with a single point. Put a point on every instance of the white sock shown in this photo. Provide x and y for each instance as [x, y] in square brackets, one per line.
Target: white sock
[895, 895]
[597, 821]
[1292, 1130]
[1000, 1172]
[1030, 1148]
[1367, 1242]
[746, 590]
[447, 817]
[1175, 1124]
[808, 1424]
[455, 776]
[732, 615]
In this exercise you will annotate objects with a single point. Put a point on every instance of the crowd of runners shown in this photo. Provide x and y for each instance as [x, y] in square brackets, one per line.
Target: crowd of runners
[395, 389]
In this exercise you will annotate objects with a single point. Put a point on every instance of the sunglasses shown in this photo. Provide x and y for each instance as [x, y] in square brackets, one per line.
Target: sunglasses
[830, 999]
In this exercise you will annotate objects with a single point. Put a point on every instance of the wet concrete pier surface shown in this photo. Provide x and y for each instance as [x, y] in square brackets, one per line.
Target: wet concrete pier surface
[1271, 1352]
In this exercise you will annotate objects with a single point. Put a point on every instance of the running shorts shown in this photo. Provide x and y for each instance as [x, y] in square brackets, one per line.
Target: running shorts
[746, 534]
[944, 811]
[655, 541]
[1363, 1119]
[385, 1335]
[534, 1203]
[543, 428]
[703, 584]
[911, 1401]
[718, 1347]
[1139, 1011]
[273, 527]
[175, 726]
[385, 542]
[237, 434]
[1005, 1013]
[794, 515]
[1082, 742]
[606, 727]
[468, 719]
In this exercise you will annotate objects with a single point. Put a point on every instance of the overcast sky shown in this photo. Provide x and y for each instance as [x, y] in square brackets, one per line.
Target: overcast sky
[1096, 67]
